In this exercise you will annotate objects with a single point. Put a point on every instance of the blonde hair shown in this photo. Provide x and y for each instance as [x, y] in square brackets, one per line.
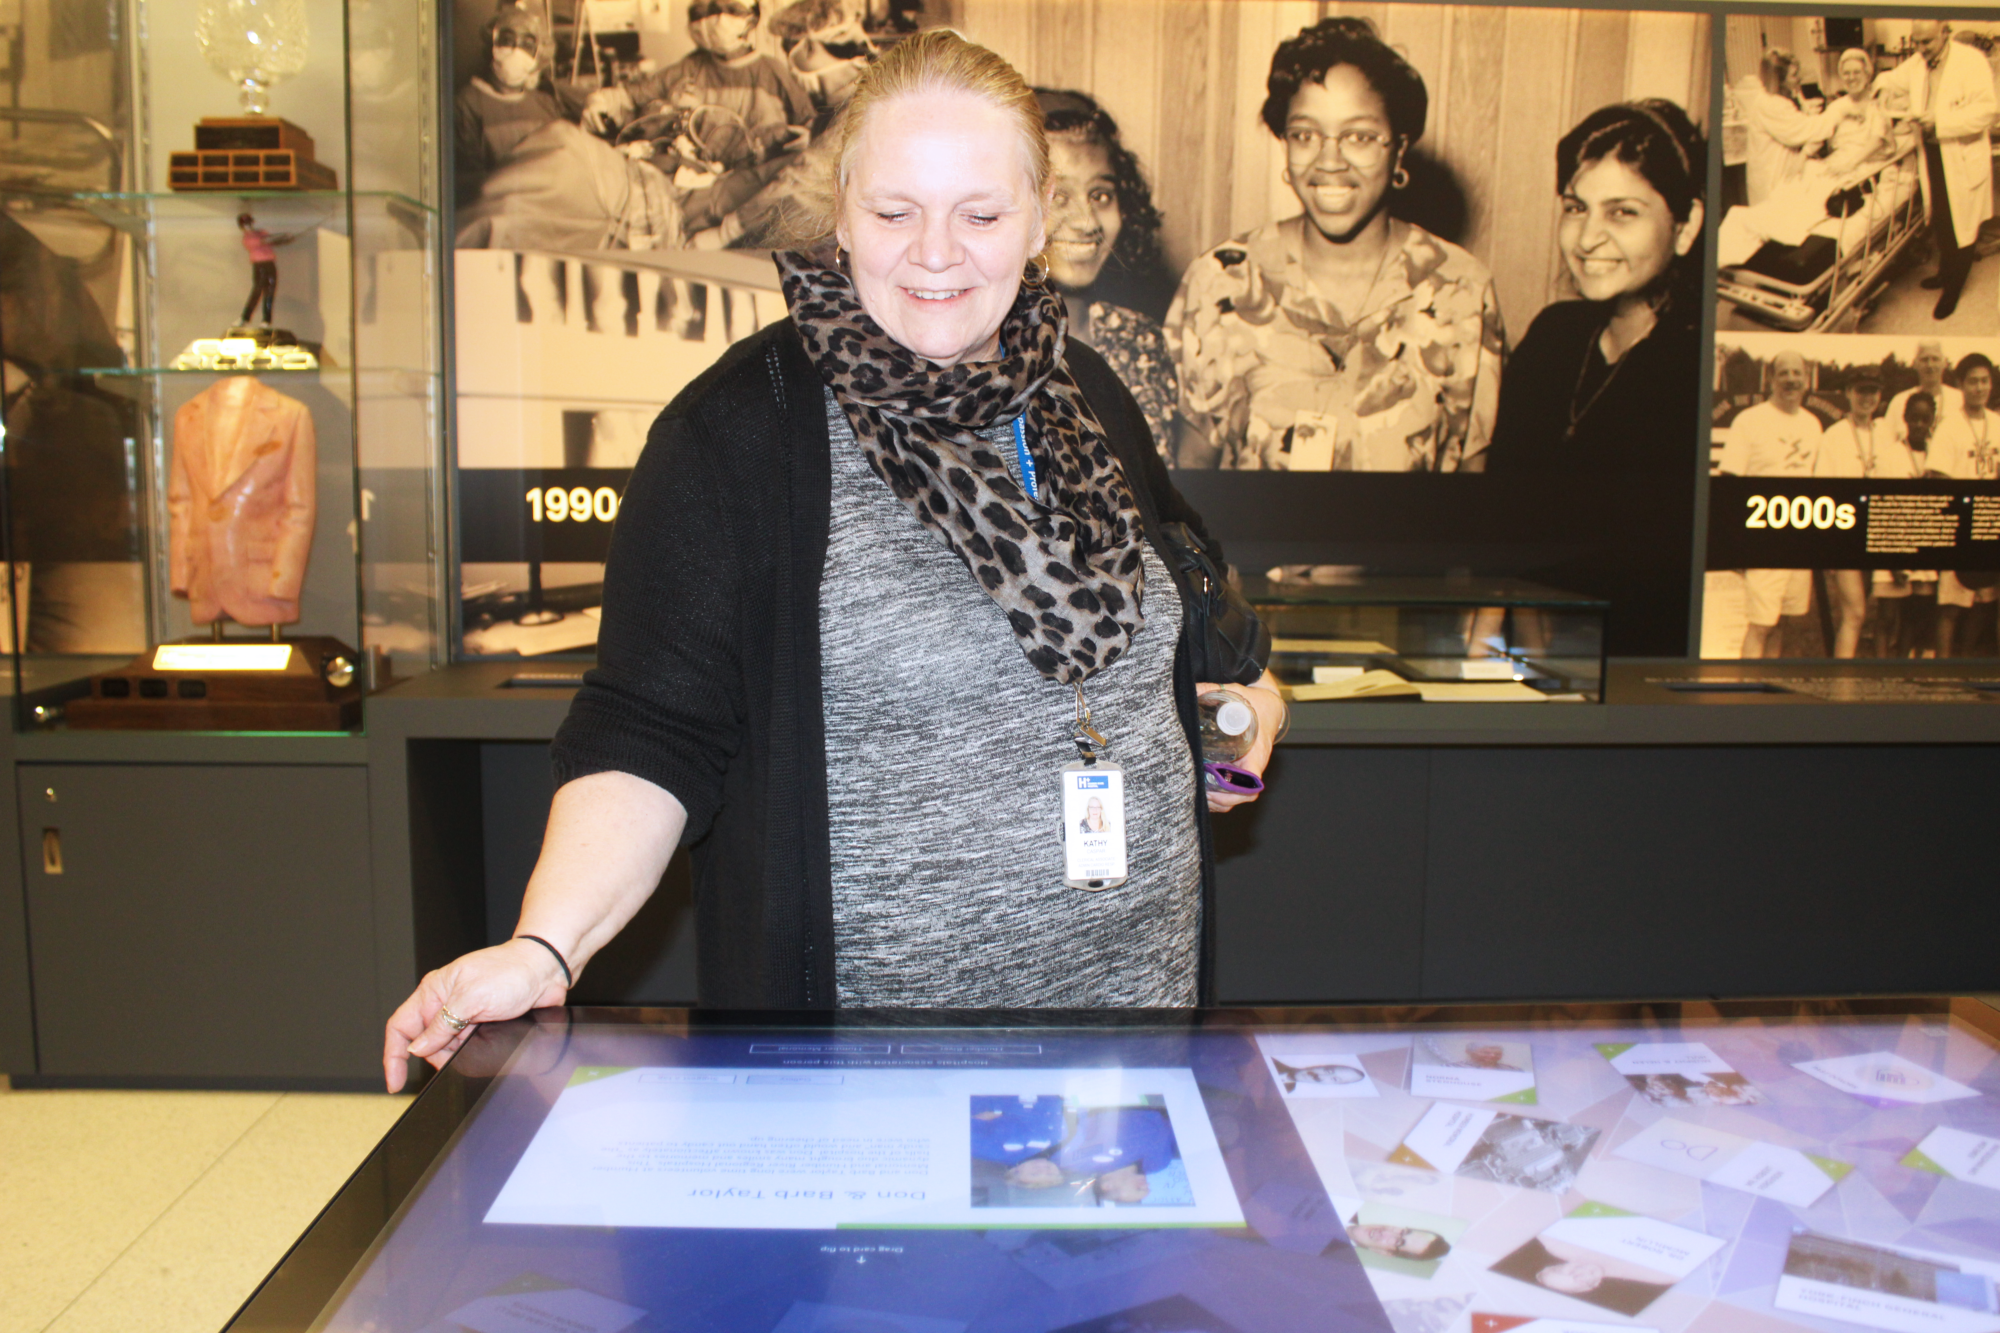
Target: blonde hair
[936, 60]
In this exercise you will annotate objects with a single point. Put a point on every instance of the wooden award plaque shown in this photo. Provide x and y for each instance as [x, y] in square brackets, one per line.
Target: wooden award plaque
[249, 153]
[306, 684]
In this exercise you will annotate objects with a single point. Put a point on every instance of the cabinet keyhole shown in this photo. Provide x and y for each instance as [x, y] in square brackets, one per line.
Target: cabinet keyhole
[52, 851]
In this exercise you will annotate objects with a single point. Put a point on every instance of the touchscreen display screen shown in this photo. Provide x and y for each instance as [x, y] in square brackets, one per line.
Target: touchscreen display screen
[1748, 1174]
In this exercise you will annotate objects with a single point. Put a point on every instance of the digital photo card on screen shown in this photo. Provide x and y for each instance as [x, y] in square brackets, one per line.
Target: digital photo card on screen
[1958, 1154]
[1881, 1287]
[1393, 1239]
[1610, 1258]
[1884, 1078]
[1322, 1074]
[1680, 1073]
[744, 1147]
[1473, 1069]
[1769, 1170]
[1492, 1145]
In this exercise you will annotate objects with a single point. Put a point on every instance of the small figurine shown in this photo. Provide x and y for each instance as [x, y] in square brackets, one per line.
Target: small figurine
[262, 248]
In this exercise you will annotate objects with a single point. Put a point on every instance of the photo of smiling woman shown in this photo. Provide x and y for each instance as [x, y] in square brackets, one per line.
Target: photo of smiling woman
[1599, 388]
[1600, 383]
[1104, 252]
[1343, 338]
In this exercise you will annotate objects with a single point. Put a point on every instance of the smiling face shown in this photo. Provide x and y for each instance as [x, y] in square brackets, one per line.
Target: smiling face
[1572, 1278]
[1863, 401]
[1340, 188]
[1856, 72]
[1617, 234]
[1084, 220]
[1930, 364]
[1919, 419]
[1788, 380]
[1403, 1242]
[1977, 386]
[939, 216]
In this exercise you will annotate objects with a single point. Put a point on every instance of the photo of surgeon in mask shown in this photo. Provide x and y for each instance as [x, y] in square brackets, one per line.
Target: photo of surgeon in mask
[509, 99]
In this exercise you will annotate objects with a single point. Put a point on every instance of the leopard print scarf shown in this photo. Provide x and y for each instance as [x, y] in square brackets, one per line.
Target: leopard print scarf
[1067, 571]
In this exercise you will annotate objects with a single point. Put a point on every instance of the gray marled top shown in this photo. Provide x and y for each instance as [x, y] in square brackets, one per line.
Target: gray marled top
[943, 749]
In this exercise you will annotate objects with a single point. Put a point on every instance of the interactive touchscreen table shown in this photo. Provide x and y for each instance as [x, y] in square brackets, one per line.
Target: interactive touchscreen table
[1715, 1167]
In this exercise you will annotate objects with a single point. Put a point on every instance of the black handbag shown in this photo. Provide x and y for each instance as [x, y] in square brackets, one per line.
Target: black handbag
[1229, 644]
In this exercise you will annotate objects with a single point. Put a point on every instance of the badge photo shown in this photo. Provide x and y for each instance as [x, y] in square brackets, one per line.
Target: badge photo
[1093, 825]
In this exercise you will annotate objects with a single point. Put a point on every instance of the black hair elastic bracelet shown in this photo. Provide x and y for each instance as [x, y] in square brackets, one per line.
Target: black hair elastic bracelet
[568, 981]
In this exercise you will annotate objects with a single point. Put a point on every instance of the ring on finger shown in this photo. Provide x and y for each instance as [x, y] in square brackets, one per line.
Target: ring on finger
[452, 1021]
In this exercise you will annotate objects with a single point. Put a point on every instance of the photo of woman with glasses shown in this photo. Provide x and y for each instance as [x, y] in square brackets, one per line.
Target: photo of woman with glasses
[1344, 338]
[1104, 252]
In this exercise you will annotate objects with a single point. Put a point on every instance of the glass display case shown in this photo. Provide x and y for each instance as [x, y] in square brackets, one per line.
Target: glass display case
[1431, 640]
[223, 513]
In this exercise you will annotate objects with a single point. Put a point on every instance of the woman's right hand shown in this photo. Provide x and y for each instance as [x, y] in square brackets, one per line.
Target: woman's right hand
[607, 844]
[487, 986]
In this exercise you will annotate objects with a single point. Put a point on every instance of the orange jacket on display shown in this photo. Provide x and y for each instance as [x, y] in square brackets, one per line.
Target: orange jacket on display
[240, 503]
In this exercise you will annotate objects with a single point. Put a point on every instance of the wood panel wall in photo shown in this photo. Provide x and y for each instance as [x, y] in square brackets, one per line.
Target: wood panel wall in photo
[1185, 81]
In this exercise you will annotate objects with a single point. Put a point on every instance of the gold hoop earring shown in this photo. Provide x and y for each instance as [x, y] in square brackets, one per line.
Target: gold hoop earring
[1038, 269]
[1400, 177]
[840, 258]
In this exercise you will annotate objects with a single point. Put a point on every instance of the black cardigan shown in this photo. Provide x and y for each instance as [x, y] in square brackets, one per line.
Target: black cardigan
[708, 662]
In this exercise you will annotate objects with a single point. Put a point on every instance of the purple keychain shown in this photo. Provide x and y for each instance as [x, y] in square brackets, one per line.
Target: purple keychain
[1229, 778]
[1228, 730]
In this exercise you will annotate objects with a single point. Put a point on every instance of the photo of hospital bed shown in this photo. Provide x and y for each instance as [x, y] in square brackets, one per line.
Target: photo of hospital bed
[1791, 263]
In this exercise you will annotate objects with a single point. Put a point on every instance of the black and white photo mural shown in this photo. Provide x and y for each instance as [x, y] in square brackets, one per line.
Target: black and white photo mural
[1447, 261]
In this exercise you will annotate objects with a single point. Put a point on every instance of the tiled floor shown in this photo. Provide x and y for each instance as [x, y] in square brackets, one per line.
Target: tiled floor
[159, 1212]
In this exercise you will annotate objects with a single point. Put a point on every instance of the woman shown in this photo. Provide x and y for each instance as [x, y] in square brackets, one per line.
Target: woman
[1599, 395]
[1104, 253]
[1093, 818]
[829, 568]
[1862, 136]
[1779, 129]
[1343, 338]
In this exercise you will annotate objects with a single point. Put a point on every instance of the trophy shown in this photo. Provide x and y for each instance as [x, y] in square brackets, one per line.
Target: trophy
[253, 44]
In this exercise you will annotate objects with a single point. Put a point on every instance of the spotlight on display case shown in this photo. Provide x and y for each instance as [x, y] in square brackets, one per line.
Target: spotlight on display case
[222, 483]
[1346, 638]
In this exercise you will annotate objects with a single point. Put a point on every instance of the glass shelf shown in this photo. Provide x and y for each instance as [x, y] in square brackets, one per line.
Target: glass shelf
[390, 198]
[1380, 590]
[139, 372]
[135, 212]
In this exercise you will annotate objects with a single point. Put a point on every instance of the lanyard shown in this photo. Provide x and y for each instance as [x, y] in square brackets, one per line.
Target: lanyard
[1027, 462]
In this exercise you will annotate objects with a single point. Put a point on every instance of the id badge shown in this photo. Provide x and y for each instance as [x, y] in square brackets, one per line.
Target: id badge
[1093, 808]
